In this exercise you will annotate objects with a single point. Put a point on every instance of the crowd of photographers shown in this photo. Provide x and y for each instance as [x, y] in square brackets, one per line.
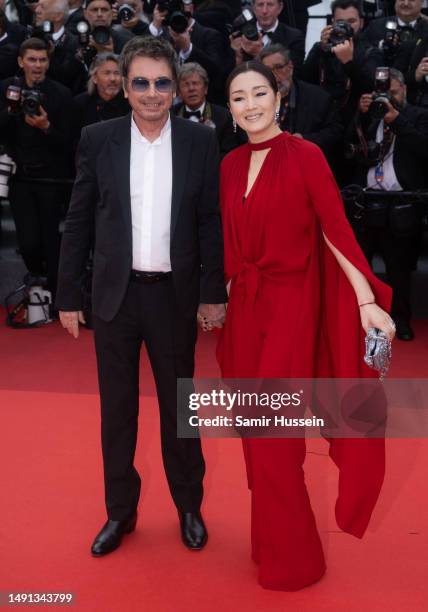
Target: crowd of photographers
[360, 94]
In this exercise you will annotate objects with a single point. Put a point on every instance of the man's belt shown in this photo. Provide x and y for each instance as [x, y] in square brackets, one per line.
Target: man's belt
[148, 278]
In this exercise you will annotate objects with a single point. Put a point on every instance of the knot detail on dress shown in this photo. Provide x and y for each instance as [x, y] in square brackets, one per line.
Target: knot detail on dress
[249, 277]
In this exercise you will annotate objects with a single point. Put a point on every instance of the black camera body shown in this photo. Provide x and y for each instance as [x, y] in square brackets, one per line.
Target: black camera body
[395, 36]
[101, 34]
[245, 25]
[27, 101]
[367, 154]
[381, 96]
[341, 32]
[125, 13]
[177, 18]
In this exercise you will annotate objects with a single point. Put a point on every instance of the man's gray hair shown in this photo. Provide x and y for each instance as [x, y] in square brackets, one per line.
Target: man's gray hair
[397, 76]
[60, 6]
[100, 59]
[275, 48]
[193, 68]
[147, 46]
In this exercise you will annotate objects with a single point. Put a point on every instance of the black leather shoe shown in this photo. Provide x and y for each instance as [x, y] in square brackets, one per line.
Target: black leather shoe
[193, 531]
[110, 536]
[404, 331]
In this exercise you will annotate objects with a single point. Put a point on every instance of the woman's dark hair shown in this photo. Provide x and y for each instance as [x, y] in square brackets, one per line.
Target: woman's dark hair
[252, 66]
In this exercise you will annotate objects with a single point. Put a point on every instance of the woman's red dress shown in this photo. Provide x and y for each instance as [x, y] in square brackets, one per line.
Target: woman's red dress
[292, 313]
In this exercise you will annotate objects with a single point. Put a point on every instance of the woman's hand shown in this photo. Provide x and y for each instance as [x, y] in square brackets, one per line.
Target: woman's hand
[373, 316]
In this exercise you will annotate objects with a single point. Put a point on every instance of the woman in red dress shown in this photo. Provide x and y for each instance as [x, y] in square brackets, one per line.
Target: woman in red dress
[301, 298]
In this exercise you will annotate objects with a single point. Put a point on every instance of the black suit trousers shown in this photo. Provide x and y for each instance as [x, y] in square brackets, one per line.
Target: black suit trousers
[147, 314]
[37, 211]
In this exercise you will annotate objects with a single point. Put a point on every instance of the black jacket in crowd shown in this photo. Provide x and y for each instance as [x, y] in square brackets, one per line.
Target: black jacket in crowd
[292, 39]
[64, 67]
[311, 112]
[410, 156]
[73, 19]
[36, 153]
[221, 117]
[344, 82]
[90, 109]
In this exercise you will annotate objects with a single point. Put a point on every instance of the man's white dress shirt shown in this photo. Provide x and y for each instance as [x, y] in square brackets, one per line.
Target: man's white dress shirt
[151, 194]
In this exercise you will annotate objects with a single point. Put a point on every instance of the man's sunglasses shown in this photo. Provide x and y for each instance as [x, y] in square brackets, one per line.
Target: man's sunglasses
[162, 85]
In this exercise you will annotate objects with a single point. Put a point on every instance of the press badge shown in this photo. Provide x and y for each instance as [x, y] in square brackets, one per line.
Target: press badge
[379, 173]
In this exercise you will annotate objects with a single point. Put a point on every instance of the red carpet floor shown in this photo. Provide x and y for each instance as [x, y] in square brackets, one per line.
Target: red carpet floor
[52, 501]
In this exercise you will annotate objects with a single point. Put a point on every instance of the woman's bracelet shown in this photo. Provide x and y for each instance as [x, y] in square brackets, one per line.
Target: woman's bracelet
[366, 303]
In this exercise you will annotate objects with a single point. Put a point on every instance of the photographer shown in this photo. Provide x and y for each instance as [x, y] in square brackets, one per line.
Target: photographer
[264, 29]
[388, 143]
[104, 99]
[341, 63]
[35, 123]
[397, 36]
[130, 17]
[64, 67]
[193, 88]
[103, 38]
[192, 41]
[306, 110]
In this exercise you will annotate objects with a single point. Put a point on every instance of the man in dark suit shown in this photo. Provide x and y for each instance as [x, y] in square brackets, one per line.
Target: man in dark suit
[75, 15]
[196, 44]
[157, 264]
[193, 88]
[397, 162]
[306, 110]
[412, 27]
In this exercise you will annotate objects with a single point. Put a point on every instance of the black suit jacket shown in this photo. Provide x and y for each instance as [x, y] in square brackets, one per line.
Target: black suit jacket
[375, 31]
[293, 40]
[314, 116]
[410, 152]
[73, 20]
[101, 196]
[221, 117]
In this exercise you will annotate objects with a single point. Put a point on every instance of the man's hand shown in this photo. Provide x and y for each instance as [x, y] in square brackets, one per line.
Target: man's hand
[252, 47]
[344, 51]
[211, 315]
[181, 41]
[392, 113]
[41, 122]
[325, 35]
[422, 69]
[364, 103]
[70, 321]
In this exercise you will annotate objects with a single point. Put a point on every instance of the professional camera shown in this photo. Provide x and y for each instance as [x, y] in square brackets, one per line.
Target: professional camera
[43, 31]
[245, 25]
[177, 17]
[101, 35]
[367, 153]
[395, 36]
[379, 106]
[125, 13]
[341, 32]
[83, 31]
[27, 101]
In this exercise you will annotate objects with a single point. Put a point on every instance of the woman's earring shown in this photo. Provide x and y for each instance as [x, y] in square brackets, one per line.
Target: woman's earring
[235, 127]
[277, 116]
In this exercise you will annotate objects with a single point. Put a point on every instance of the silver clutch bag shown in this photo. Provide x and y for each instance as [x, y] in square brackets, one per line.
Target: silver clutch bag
[378, 351]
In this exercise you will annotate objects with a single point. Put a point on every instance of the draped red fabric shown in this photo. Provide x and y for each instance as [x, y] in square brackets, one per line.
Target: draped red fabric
[292, 313]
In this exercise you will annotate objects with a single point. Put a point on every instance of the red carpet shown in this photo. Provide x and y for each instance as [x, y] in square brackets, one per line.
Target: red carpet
[52, 501]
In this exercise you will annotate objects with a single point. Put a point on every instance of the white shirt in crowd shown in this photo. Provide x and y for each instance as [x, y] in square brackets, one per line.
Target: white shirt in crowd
[151, 195]
[390, 180]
